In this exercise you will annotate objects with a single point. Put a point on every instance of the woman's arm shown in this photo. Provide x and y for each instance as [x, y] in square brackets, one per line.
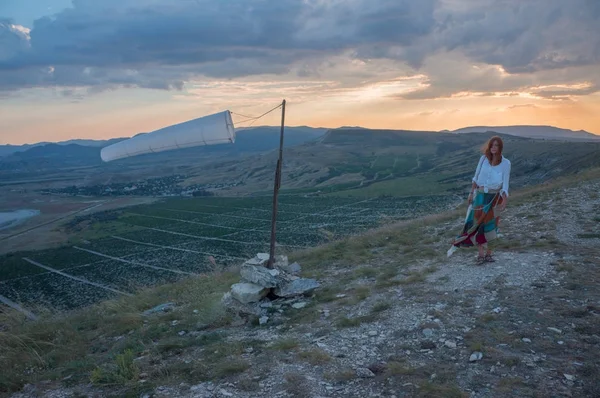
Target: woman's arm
[505, 180]
[474, 184]
[505, 185]
[477, 170]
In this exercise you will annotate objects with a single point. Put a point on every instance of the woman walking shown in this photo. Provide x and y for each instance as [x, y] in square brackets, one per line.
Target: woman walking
[488, 197]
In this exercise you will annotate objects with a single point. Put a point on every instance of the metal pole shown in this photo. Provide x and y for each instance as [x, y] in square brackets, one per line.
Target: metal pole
[276, 186]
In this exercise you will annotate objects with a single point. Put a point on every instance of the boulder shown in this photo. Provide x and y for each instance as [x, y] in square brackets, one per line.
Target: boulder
[296, 287]
[293, 268]
[281, 261]
[255, 261]
[261, 276]
[248, 292]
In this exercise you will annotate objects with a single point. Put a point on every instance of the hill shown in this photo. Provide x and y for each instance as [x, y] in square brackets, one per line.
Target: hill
[357, 162]
[539, 132]
[6, 150]
[50, 158]
[392, 316]
[376, 162]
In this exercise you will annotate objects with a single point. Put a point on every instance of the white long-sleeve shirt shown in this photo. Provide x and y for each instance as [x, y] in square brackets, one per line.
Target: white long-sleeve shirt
[493, 177]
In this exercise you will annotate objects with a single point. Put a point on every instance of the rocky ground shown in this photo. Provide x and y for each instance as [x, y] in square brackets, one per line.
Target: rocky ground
[410, 322]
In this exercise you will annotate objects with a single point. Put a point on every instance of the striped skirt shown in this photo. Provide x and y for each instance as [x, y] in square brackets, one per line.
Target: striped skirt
[481, 222]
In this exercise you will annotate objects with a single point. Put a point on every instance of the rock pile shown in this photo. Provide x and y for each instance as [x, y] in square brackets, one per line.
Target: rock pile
[261, 287]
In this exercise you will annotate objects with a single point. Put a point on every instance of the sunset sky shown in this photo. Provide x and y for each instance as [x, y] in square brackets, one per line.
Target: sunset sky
[99, 69]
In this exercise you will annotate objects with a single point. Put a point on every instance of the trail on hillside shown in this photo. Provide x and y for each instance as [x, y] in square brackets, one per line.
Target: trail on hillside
[408, 322]
[533, 315]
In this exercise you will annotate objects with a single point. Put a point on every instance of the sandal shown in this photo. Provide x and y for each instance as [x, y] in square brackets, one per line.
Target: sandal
[480, 260]
[489, 259]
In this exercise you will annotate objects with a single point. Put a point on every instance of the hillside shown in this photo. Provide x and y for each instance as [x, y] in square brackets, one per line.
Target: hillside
[374, 162]
[6, 150]
[538, 132]
[392, 316]
[75, 161]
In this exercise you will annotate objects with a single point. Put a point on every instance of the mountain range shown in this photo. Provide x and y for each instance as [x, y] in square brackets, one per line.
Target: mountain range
[86, 153]
[78, 156]
[538, 132]
[262, 136]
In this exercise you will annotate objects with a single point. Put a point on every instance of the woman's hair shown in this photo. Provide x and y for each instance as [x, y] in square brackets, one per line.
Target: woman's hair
[487, 150]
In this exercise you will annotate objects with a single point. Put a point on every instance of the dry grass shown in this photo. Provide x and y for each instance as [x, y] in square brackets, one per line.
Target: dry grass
[345, 322]
[285, 345]
[315, 356]
[98, 342]
[297, 385]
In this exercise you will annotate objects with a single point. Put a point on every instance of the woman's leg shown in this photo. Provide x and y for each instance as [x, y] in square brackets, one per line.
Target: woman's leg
[481, 258]
[488, 254]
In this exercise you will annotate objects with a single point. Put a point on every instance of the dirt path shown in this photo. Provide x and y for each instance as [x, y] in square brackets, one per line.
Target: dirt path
[406, 325]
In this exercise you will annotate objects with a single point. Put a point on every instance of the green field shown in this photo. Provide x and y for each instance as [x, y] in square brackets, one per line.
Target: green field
[402, 175]
[154, 244]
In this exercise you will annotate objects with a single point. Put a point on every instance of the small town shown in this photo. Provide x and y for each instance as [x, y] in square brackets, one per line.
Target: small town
[158, 187]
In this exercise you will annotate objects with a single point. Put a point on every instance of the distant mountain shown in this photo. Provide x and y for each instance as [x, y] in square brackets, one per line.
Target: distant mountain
[51, 156]
[380, 162]
[86, 153]
[6, 150]
[539, 132]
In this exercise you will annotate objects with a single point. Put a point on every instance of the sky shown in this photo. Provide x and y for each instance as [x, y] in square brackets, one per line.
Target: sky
[98, 69]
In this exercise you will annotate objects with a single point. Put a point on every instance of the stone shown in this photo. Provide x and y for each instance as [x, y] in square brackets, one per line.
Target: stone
[569, 377]
[428, 332]
[450, 344]
[296, 287]
[261, 276]
[263, 256]
[299, 305]
[526, 340]
[476, 356]
[373, 333]
[555, 330]
[248, 292]
[364, 373]
[378, 367]
[182, 333]
[255, 261]
[427, 345]
[263, 319]
[281, 261]
[160, 308]
[293, 268]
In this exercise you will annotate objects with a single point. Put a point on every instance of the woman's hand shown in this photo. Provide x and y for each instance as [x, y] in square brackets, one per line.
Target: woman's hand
[470, 199]
[502, 204]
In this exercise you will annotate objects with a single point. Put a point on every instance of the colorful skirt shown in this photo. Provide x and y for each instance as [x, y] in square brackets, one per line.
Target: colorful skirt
[481, 222]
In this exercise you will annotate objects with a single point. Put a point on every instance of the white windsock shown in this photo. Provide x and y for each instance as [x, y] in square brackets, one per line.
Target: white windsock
[208, 130]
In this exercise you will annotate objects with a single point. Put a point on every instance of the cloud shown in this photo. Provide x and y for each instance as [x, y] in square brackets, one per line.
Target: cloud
[129, 42]
[453, 74]
[526, 36]
[14, 40]
[463, 46]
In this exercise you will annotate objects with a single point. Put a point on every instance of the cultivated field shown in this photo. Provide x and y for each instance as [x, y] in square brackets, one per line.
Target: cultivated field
[117, 253]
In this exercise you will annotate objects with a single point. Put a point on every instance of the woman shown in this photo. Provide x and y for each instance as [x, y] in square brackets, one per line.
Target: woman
[488, 196]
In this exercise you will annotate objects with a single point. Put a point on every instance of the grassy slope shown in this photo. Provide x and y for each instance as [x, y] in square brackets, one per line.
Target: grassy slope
[99, 343]
[406, 163]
